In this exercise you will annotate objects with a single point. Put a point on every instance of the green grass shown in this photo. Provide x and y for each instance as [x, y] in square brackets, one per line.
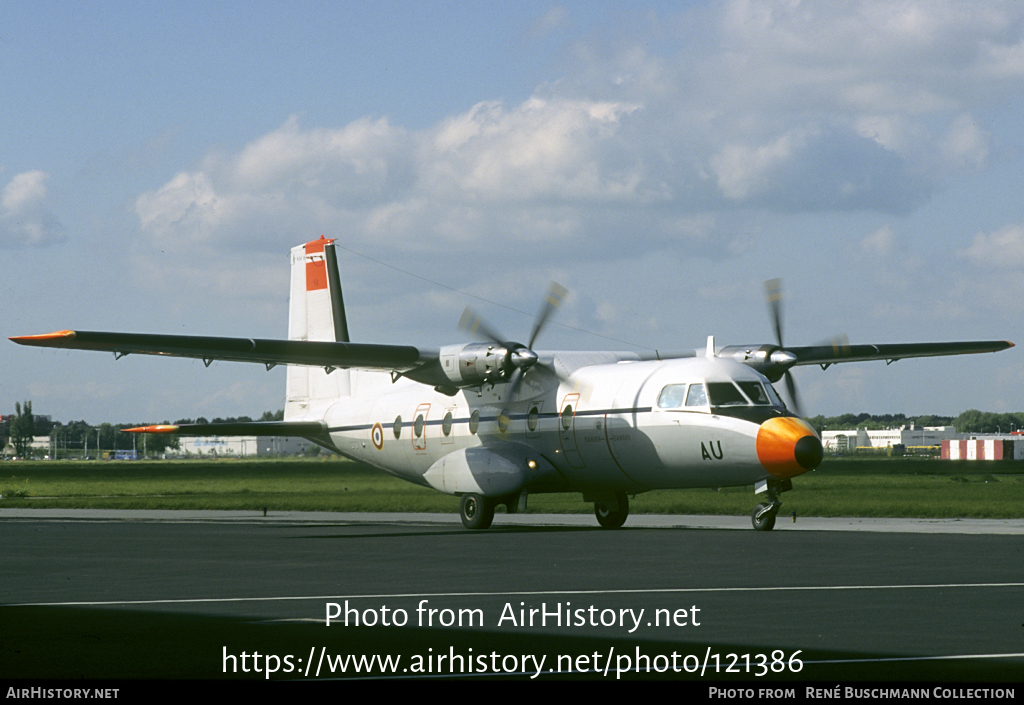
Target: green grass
[896, 487]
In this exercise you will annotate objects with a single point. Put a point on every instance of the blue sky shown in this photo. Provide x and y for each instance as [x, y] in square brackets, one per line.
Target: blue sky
[659, 159]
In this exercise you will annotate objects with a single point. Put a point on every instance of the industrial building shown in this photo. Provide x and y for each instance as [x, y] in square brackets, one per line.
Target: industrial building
[242, 446]
[906, 436]
[988, 448]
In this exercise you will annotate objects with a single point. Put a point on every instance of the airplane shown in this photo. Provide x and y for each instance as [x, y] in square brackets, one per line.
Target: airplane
[495, 421]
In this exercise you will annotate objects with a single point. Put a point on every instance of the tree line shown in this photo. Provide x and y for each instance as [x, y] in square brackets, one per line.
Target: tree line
[78, 438]
[970, 421]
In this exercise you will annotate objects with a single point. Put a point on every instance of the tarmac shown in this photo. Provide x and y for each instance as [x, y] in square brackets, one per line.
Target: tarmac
[783, 523]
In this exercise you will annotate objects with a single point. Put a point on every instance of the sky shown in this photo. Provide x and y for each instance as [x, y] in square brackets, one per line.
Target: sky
[661, 160]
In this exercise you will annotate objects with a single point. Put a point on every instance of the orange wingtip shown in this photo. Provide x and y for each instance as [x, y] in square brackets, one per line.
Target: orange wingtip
[29, 339]
[159, 428]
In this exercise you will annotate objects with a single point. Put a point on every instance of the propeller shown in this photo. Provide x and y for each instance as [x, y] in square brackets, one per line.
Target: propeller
[518, 357]
[781, 357]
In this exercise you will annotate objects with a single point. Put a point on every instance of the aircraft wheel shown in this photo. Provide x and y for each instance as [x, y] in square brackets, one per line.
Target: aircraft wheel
[609, 519]
[477, 512]
[767, 520]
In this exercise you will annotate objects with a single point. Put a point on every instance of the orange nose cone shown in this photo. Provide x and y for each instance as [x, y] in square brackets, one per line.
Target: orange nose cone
[788, 446]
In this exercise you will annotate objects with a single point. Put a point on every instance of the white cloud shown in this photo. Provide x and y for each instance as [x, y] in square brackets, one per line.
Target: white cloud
[965, 144]
[879, 243]
[25, 218]
[743, 171]
[374, 179]
[561, 149]
[774, 107]
[999, 249]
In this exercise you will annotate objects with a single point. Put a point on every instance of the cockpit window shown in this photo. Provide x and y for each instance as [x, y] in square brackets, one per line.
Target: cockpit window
[756, 392]
[774, 396]
[726, 394]
[696, 396]
[671, 397]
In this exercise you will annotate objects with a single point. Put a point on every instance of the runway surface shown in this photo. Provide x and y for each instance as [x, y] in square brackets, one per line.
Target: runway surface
[111, 595]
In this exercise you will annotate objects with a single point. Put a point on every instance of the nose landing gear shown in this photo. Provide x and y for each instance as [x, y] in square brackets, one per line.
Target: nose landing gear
[763, 516]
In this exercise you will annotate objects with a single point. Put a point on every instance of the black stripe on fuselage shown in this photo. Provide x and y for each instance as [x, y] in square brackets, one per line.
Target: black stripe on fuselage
[753, 414]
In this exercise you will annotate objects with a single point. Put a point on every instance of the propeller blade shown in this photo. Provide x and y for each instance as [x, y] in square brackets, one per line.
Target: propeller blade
[793, 396]
[519, 358]
[773, 295]
[514, 383]
[472, 323]
[556, 295]
[782, 357]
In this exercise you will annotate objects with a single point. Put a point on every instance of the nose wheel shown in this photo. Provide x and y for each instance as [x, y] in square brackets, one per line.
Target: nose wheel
[763, 516]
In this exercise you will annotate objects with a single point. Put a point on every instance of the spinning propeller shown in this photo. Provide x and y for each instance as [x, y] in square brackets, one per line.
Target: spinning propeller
[518, 358]
[781, 357]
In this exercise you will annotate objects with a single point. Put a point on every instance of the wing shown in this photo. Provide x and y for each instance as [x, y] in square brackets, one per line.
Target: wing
[826, 355]
[774, 362]
[331, 355]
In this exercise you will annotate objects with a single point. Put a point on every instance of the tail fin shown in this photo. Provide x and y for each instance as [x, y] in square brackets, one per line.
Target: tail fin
[316, 311]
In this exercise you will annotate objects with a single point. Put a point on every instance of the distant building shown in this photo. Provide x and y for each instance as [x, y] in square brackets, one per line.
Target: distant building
[994, 447]
[242, 446]
[909, 435]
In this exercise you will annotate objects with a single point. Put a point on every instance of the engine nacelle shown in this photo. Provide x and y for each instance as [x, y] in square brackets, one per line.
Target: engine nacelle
[476, 364]
[770, 360]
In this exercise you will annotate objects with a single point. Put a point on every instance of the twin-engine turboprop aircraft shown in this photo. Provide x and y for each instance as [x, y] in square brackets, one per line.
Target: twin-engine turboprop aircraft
[494, 421]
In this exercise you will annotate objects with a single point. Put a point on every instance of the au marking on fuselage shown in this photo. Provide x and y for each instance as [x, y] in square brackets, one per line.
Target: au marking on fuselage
[708, 456]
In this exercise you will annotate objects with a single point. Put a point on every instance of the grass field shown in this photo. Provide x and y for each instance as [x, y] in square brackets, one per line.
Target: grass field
[891, 487]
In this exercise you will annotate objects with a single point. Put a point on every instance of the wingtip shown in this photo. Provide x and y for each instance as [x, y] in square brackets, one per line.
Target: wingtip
[44, 338]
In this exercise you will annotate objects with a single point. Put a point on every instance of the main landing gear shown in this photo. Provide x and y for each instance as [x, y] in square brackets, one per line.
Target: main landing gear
[477, 511]
[763, 516]
[610, 518]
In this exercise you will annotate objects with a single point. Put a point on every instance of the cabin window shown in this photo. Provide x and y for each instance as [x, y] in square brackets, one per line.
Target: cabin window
[446, 424]
[531, 420]
[398, 427]
[726, 394]
[567, 417]
[696, 396]
[504, 419]
[672, 396]
[474, 422]
[417, 426]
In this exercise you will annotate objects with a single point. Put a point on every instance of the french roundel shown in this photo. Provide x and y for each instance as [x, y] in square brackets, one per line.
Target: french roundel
[377, 436]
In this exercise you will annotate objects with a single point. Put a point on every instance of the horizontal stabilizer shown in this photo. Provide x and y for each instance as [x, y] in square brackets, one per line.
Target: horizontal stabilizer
[303, 429]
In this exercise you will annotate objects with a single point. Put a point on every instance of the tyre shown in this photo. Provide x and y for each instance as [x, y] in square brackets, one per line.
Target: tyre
[476, 511]
[767, 520]
[609, 519]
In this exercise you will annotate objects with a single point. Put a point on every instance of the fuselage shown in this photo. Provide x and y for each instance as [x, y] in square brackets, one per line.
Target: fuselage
[627, 426]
